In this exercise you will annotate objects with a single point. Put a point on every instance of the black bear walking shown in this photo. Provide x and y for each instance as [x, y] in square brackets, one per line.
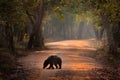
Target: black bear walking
[52, 61]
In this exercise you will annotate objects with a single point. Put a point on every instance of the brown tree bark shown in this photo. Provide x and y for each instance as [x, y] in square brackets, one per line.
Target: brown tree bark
[36, 37]
[9, 38]
[20, 36]
[119, 34]
[116, 33]
[110, 37]
[99, 33]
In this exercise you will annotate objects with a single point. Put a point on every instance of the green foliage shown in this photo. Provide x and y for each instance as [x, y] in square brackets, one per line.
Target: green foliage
[109, 8]
[31, 4]
[10, 10]
[57, 9]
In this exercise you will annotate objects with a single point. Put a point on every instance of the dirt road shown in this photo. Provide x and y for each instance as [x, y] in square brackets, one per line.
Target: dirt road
[77, 56]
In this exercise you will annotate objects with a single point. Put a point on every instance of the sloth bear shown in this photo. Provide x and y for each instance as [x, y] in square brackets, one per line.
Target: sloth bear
[52, 61]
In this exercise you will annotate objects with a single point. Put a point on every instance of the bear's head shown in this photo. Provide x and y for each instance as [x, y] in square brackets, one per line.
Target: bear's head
[45, 64]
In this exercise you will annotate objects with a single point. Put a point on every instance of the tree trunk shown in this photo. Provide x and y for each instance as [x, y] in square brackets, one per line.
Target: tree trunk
[20, 36]
[116, 33]
[36, 37]
[30, 42]
[110, 37]
[99, 33]
[111, 42]
[119, 35]
[9, 38]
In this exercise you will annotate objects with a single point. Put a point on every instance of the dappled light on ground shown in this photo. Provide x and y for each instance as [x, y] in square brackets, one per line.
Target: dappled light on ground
[81, 66]
[77, 55]
[73, 44]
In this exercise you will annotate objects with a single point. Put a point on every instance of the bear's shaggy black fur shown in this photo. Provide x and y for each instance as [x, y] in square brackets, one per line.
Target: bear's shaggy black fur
[53, 60]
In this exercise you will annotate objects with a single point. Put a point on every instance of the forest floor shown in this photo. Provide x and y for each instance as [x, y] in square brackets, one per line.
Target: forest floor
[78, 57]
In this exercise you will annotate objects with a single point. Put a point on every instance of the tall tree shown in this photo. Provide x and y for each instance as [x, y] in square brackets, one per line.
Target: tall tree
[9, 14]
[36, 10]
[108, 10]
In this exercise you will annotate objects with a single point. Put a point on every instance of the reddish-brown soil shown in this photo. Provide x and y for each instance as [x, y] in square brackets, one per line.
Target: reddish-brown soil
[77, 56]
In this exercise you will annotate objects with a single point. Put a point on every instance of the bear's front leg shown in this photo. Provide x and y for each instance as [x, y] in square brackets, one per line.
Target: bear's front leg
[56, 66]
[59, 66]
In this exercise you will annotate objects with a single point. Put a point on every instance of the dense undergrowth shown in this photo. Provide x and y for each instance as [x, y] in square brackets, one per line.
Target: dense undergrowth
[10, 69]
